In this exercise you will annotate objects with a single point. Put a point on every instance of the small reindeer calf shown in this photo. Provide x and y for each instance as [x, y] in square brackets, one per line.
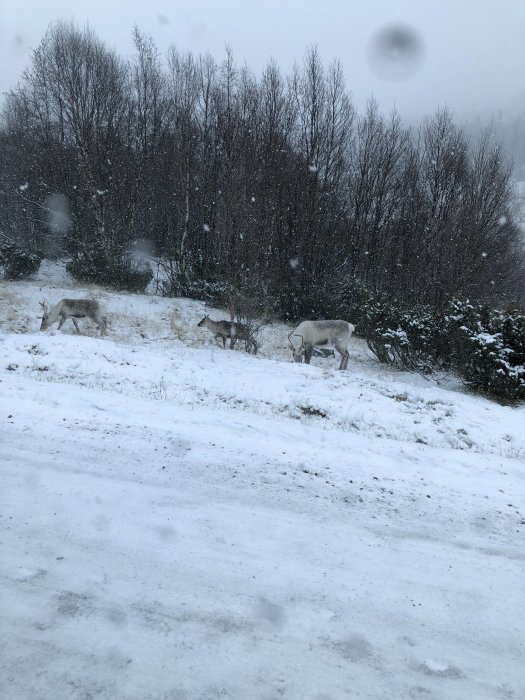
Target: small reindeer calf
[222, 330]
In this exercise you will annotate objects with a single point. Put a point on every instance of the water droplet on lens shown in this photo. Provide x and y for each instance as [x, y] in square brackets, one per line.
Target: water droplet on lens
[396, 52]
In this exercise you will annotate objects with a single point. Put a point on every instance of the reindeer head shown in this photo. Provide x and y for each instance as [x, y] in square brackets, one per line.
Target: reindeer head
[45, 317]
[201, 323]
[298, 352]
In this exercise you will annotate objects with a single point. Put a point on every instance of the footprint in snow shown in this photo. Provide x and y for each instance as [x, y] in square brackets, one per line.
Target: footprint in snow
[24, 575]
[439, 669]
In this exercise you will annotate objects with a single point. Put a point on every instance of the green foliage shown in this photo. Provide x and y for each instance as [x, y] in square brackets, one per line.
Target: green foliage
[17, 261]
[488, 348]
[511, 325]
[408, 337]
[212, 292]
[321, 299]
[314, 301]
[118, 272]
[484, 346]
[243, 300]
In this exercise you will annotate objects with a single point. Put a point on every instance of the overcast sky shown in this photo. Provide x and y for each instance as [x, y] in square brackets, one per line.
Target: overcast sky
[473, 57]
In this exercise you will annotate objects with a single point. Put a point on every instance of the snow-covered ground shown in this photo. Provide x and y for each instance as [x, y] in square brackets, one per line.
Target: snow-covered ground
[184, 522]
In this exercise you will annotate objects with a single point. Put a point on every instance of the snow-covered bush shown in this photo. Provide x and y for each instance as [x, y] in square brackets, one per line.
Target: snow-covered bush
[18, 262]
[485, 347]
[488, 348]
[334, 297]
[410, 338]
[512, 328]
[316, 301]
[212, 292]
[118, 272]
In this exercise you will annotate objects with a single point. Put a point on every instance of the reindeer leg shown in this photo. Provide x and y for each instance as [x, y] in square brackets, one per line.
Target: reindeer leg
[62, 321]
[76, 324]
[344, 357]
[308, 351]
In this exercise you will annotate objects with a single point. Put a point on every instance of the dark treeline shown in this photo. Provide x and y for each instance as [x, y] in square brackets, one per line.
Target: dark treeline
[270, 183]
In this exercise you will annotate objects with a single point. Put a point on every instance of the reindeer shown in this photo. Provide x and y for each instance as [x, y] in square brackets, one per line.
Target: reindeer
[315, 333]
[232, 330]
[73, 309]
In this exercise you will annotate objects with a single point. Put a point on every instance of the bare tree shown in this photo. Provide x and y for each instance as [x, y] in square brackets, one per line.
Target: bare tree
[271, 185]
[77, 91]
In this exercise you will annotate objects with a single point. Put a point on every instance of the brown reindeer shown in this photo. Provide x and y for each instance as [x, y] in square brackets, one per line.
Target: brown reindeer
[229, 329]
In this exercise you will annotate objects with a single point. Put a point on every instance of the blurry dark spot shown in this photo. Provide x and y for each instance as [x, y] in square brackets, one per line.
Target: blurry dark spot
[396, 52]
[271, 614]
[162, 19]
[41, 626]
[354, 647]
[408, 640]
[58, 213]
[73, 604]
[116, 616]
[198, 29]
[419, 691]
[19, 44]
[102, 523]
[165, 531]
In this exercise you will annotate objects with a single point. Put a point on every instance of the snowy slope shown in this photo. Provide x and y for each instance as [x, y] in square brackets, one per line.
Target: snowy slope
[184, 522]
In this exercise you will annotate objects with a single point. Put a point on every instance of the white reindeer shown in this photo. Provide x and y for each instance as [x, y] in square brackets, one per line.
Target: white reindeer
[73, 309]
[315, 333]
[232, 330]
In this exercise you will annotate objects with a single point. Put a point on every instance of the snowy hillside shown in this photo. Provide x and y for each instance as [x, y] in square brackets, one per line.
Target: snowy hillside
[184, 522]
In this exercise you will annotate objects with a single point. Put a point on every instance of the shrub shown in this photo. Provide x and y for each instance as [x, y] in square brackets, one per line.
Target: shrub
[312, 302]
[488, 348]
[485, 347]
[212, 292]
[17, 261]
[512, 328]
[410, 338]
[119, 272]
[339, 297]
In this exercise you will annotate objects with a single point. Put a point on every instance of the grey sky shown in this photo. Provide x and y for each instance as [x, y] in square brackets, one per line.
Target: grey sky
[474, 49]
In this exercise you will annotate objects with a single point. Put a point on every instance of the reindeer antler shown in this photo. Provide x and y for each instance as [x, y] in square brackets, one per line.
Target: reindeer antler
[297, 335]
[43, 305]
